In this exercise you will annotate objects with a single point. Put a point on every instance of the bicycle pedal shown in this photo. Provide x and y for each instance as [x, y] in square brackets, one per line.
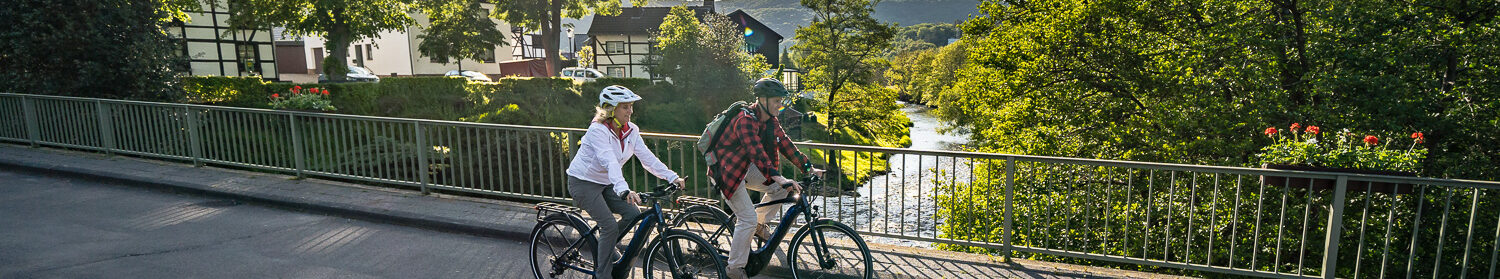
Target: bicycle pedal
[547, 208]
[691, 200]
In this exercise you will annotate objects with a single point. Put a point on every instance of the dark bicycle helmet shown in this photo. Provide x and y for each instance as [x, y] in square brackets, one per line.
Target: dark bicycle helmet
[769, 88]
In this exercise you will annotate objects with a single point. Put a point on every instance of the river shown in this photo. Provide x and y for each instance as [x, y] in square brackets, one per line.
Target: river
[901, 202]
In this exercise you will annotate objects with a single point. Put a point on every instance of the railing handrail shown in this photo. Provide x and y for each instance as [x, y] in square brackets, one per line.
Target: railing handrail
[961, 154]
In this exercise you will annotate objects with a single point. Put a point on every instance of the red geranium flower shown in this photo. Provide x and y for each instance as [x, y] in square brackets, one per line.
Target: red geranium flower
[274, 95]
[313, 90]
[1312, 129]
[1371, 140]
[296, 88]
[1270, 131]
[1296, 126]
[1418, 136]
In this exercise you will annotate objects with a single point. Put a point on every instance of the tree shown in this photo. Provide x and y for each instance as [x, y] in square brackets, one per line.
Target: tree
[340, 22]
[705, 56]
[837, 50]
[91, 48]
[586, 57]
[1113, 80]
[460, 30]
[546, 16]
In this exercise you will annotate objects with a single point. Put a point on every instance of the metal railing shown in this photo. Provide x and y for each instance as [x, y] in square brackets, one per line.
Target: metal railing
[1229, 220]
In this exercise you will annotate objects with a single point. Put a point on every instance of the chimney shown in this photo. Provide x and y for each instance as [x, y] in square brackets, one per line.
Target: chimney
[709, 4]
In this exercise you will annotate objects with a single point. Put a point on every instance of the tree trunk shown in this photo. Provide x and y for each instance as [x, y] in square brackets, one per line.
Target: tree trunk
[549, 36]
[338, 50]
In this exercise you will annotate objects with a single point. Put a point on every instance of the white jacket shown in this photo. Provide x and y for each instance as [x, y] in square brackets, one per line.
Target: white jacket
[600, 157]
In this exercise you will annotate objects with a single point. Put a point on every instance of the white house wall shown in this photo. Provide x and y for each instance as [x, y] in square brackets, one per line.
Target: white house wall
[632, 61]
[395, 52]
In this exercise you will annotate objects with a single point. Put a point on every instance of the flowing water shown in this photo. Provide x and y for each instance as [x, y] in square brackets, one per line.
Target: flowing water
[901, 201]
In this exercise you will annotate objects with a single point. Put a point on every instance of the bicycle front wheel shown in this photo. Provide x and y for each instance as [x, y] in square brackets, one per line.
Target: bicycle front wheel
[556, 251]
[680, 255]
[827, 249]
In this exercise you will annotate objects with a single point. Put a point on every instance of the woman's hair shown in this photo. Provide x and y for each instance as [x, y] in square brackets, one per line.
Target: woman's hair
[603, 113]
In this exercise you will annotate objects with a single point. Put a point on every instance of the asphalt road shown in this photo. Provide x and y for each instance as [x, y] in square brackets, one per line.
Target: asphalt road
[59, 227]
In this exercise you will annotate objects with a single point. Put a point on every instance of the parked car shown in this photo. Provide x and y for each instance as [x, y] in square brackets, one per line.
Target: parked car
[356, 74]
[470, 75]
[581, 74]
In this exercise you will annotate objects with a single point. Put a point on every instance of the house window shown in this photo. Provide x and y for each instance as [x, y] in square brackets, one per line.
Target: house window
[248, 58]
[370, 52]
[614, 47]
[488, 56]
[618, 72]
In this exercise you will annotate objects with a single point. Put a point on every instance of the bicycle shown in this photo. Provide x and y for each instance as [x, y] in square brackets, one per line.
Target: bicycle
[559, 249]
[828, 238]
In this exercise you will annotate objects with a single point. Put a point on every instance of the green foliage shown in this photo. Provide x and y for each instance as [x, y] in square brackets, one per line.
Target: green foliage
[460, 30]
[250, 92]
[586, 57]
[935, 34]
[1117, 80]
[923, 76]
[706, 56]
[1184, 83]
[310, 99]
[114, 49]
[1342, 149]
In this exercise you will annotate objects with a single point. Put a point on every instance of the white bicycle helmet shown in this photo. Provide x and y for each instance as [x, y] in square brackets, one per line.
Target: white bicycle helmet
[615, 94]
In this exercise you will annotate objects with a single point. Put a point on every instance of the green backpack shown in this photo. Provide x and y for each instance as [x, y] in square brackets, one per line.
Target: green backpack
[710, 138]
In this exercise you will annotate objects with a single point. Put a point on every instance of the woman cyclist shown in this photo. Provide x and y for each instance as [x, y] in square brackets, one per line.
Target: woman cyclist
[595, 179]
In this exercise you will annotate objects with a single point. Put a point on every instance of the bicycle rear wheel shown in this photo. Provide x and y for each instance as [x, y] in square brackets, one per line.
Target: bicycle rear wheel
[708, 222]
[828, 249]
[550, 253]
[680, 255]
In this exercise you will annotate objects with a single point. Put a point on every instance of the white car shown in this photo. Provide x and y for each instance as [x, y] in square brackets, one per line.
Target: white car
[356, 74]
[471, 75]
[581, 74]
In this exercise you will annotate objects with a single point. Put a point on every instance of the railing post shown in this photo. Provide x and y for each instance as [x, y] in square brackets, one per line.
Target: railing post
[299, 155]
[106, 127]
[1010, 215]
[195, 141]
[1335, 229]
[421, 150]
[33, 131]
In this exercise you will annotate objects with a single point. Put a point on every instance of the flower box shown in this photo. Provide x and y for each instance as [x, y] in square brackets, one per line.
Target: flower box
[1320, 184]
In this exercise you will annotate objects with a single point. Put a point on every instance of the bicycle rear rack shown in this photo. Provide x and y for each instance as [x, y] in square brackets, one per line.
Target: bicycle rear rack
[547, 208]
[691, 200]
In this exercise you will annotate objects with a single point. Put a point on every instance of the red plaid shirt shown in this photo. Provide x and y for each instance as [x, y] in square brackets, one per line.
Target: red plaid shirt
[748, 141]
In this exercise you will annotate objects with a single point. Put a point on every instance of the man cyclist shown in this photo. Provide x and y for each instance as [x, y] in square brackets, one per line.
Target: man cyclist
[749, 153]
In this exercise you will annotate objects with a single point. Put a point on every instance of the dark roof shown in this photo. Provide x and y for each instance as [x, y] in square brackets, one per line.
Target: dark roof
[744, 19]
[637, 20]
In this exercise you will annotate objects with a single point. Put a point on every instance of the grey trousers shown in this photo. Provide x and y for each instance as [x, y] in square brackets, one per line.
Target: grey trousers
[602, 203]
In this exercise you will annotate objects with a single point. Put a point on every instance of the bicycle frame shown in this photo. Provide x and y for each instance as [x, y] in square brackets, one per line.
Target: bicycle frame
[761, 257]
[643, 223]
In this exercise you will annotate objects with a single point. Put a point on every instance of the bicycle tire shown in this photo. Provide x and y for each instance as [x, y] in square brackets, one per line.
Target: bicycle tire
[556, 233]
[846, 243]
[710, 223]
[681, 254]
